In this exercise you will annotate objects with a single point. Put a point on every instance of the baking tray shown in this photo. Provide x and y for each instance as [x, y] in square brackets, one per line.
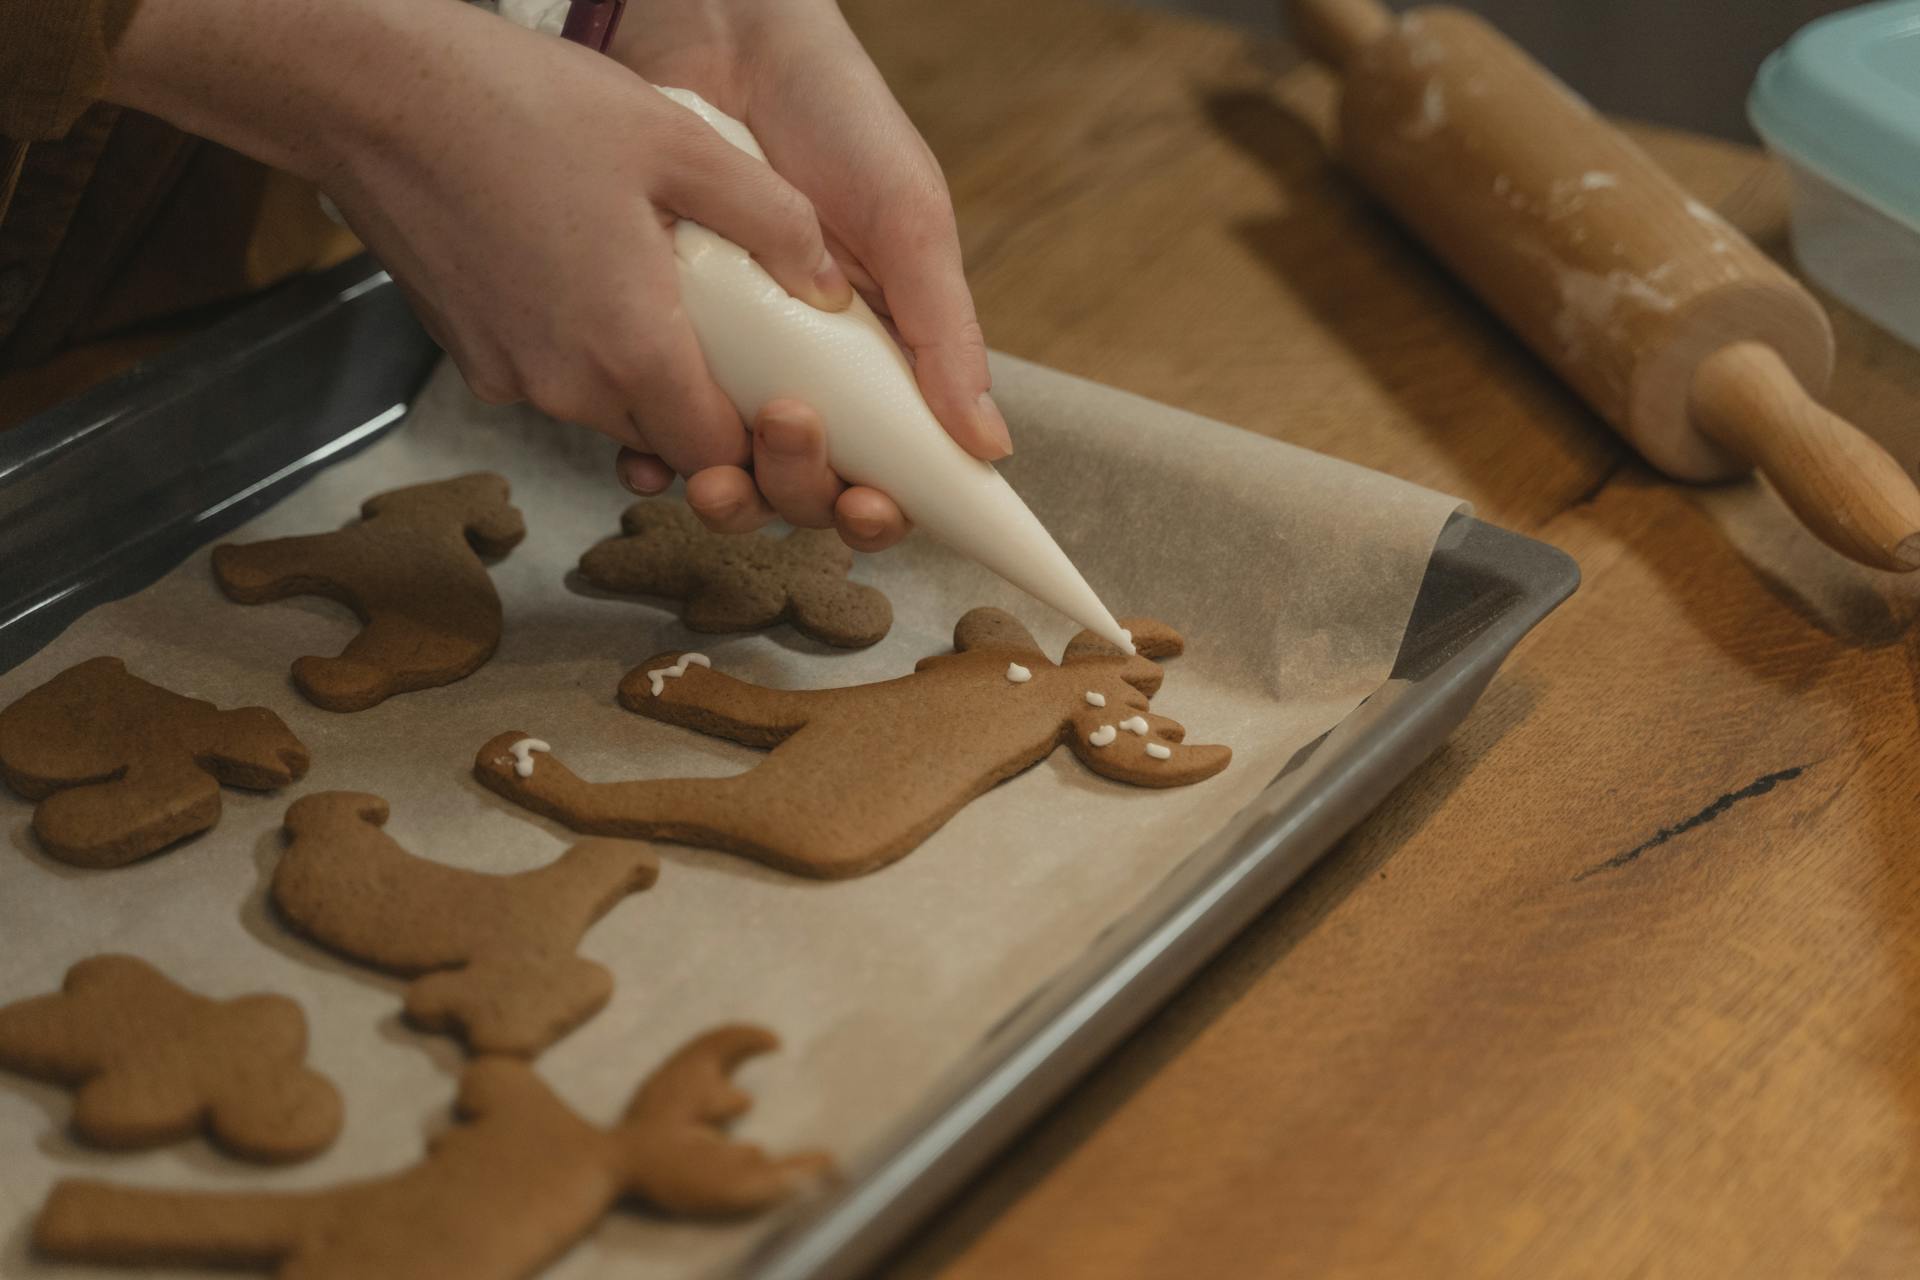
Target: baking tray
[103, 495]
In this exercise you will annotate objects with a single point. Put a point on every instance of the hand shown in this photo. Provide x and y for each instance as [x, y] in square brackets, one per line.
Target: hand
[518, 188]
[799, 79]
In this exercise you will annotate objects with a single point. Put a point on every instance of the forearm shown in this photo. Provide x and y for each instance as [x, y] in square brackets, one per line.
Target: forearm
[298, 84]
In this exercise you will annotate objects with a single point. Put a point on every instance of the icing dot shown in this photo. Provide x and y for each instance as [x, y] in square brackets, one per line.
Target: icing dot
[658, 678]
[1105, 734]
[1017, 673]
[522, 755]
[1135, 724]
[1159, 752]
[1096, 699]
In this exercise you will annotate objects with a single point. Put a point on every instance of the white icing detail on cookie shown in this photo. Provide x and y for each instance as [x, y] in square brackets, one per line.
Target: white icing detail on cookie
[1017, 673]
[1105, 734]
[1159, 752]
[660, 677]
[1096, 699]
[522, 753]
[1135, 724]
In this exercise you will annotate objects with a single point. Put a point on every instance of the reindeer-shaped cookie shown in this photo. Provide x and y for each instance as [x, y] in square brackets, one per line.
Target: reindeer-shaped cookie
[859, 776]
[410, 570]
[740, 582]
[496, 1198]
[123, 768]
[151, 1062]
[496, 953]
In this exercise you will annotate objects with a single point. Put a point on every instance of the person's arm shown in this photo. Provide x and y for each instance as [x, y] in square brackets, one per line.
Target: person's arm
[516, 186]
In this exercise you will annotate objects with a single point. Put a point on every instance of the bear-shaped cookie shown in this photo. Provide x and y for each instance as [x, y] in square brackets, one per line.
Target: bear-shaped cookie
[122, 768]
[740, 582]
[151, 1062]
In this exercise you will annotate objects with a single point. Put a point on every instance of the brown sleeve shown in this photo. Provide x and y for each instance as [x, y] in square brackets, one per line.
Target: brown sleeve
[53, 62]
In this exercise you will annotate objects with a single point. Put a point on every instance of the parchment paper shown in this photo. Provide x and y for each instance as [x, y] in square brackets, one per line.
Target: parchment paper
[1291, 575]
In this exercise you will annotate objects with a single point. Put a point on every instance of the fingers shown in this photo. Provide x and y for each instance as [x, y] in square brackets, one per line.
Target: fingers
[868, 520]
[738, 196]
[863, 282]
[726, 501]
[650, 387]
[792, 475]
[791, 479]
[915, 255]
[642, 473]
[790, 465]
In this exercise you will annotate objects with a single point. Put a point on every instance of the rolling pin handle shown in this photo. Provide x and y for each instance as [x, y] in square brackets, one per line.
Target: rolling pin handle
[1335, 31]
[1846, 488]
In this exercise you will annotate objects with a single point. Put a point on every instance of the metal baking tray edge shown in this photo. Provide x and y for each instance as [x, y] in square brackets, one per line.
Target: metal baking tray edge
[186, 447]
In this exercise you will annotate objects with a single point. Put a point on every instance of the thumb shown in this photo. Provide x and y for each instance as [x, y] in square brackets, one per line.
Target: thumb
[733, 194]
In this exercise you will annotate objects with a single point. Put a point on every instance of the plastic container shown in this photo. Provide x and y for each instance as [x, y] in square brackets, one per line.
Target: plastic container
[1840, 104]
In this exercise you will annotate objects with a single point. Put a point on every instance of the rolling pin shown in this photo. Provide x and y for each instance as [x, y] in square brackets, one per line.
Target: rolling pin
[1698, 349]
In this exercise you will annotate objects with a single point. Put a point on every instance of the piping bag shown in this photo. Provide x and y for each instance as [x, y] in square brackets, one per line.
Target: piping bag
[762, 344]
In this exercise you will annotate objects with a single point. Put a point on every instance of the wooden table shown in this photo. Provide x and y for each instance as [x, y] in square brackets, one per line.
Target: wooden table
[1626, 981]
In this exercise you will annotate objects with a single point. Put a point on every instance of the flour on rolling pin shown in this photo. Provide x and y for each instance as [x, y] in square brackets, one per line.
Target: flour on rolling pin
[1692, 343]
[1570, 232]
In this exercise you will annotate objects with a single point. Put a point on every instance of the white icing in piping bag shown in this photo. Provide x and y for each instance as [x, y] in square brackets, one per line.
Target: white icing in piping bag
[762, 344]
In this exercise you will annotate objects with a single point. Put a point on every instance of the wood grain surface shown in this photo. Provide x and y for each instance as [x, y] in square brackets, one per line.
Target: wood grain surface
[1626, 981]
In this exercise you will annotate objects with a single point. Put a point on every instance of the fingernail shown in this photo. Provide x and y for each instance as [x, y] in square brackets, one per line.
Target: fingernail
[787, 437]
[835, 291]
[994, 425]
[865, 528]
[646, 483]
[719, 510]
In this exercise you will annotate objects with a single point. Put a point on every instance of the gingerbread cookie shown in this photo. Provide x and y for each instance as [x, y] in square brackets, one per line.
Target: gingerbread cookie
[740, 582]
[859, 776]
[497, 1197]
[151, 1062]
[493, 955]
[410, 570]
[123, 768]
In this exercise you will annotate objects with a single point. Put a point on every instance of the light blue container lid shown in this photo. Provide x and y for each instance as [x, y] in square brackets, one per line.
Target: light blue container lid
[1842, 98]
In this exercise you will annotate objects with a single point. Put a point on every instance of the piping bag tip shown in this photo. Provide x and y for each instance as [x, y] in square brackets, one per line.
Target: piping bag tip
[1020, 549]
[761, 344]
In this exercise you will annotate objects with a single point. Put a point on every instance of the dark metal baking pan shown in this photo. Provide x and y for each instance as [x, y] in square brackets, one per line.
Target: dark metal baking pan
[101, 496]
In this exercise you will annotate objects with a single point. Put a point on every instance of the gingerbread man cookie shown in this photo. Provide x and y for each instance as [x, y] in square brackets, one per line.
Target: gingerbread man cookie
[857, 777]
[411, 570]
[735, 582]
[496, 1198]
[152, 1062]
[493, 955]
[122, 768]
